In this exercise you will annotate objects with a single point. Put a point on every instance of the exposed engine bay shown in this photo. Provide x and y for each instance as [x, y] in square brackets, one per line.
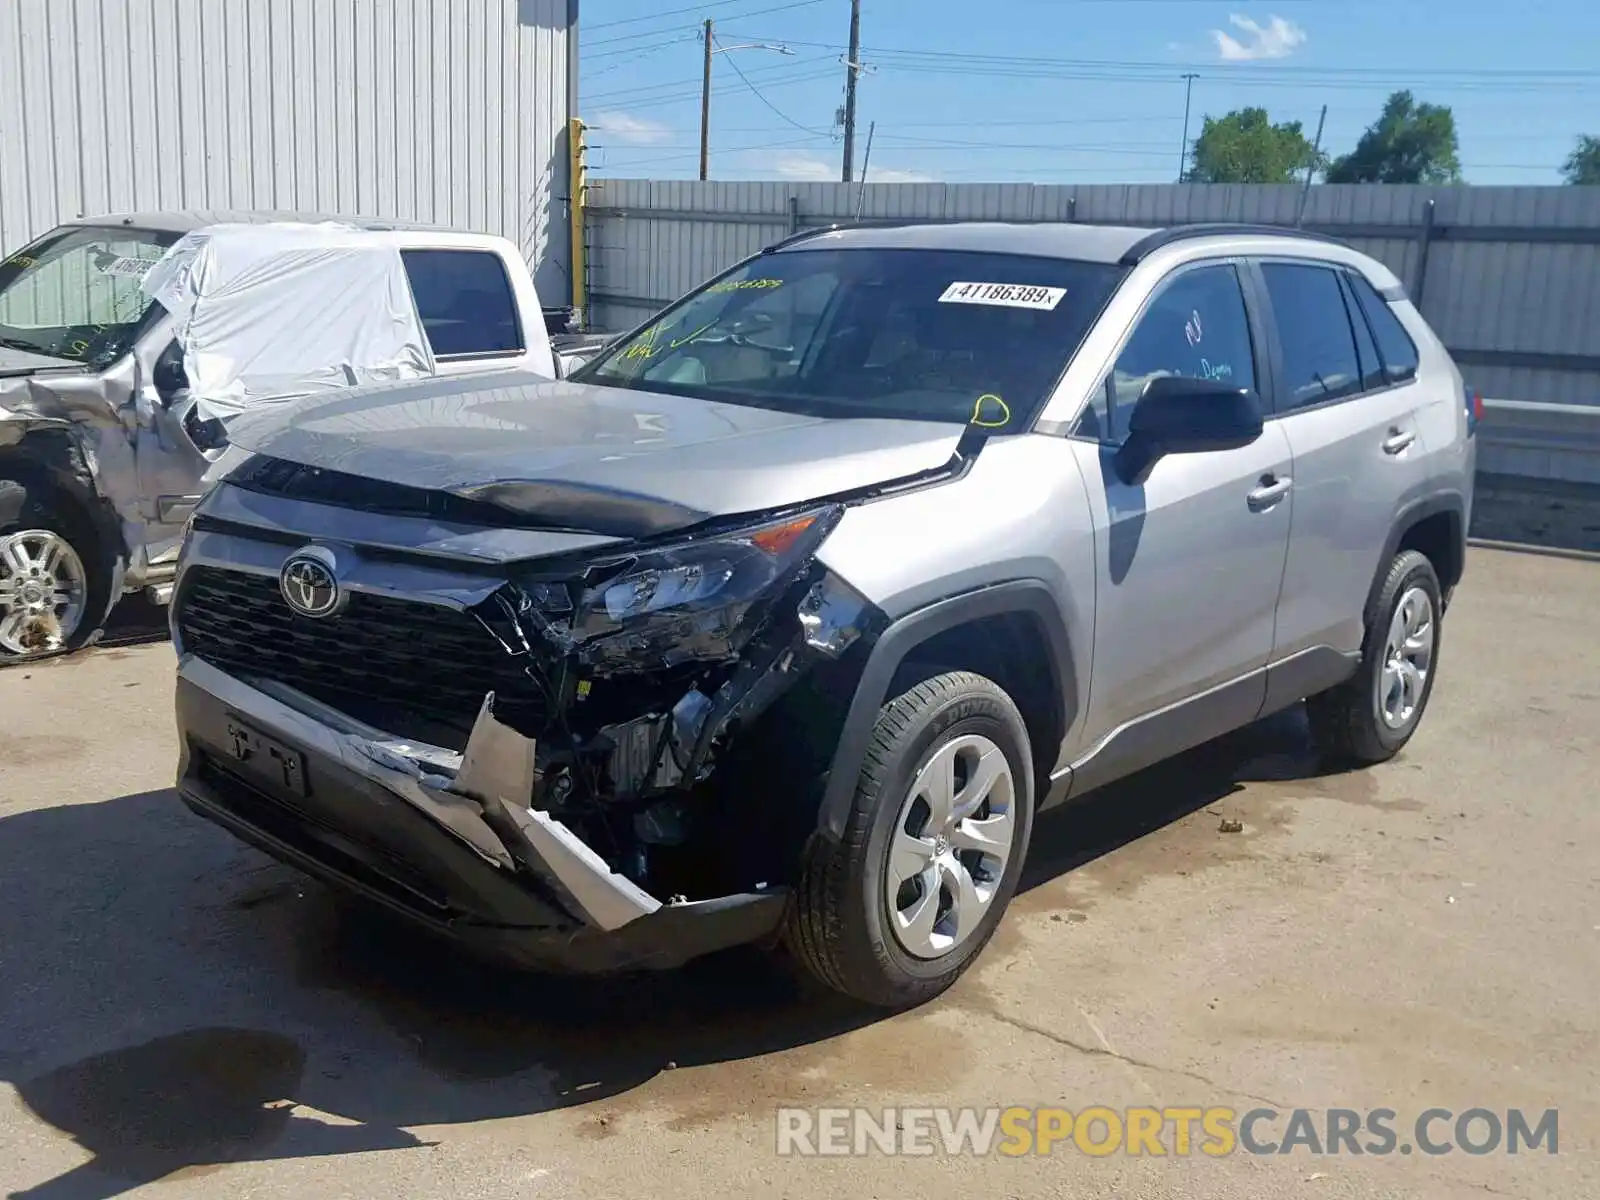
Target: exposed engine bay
[649, 665]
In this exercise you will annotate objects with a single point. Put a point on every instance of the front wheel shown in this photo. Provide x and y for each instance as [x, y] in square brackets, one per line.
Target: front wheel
[1369, 717]
[50, 592]
[939, 824]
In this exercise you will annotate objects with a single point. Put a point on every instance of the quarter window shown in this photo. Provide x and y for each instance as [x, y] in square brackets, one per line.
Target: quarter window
[1318, 344]
[1394, 343]
[1372, 376]
[1195, 327]
[465, 302]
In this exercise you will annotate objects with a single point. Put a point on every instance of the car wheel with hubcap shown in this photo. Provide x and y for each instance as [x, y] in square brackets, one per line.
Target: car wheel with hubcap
[894, 912]
[47, 591]
[1369, 717]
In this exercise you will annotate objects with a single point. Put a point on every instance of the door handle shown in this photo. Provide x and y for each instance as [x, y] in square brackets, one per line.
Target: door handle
[1272, 490]
[1398, 440]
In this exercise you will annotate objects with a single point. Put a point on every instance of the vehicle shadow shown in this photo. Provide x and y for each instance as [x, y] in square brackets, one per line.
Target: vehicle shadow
[176, 1002]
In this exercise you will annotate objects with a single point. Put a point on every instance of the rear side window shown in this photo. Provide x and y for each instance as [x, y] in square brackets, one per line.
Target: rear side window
[1319, 348]
[465, 302]
[1394, 343]
[1372, 376]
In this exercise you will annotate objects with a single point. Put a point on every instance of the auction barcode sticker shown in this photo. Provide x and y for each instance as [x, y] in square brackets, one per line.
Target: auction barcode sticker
[130, 268]
[1006, 295]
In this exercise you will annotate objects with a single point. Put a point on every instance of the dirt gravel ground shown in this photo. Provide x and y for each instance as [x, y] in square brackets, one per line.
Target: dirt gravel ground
[180, 1017]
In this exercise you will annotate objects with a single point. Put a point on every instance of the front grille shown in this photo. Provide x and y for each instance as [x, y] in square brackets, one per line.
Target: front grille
[415, 669]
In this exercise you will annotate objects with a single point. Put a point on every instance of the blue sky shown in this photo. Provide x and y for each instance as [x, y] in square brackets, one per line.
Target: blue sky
[1064, 91]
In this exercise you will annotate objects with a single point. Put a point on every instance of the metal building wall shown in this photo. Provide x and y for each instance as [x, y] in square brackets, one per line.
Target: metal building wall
[1509, 277]
[450, 112]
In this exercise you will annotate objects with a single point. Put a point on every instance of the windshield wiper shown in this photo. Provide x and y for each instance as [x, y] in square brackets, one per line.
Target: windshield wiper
[12, 343]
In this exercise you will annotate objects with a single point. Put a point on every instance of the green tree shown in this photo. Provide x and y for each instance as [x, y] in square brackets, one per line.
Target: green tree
[1408, 143]
[1246, 147]
[1583, 164]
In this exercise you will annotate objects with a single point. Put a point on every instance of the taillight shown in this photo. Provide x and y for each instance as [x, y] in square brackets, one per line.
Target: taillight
[1474, 410]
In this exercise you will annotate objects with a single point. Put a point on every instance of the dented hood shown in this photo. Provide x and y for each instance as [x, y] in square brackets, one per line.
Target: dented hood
[14, 361]
[606, 460]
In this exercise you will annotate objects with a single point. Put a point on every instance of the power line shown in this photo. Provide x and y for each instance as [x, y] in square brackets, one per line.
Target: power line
[695, 154]
[698, 8]
[668, 93]
[756, 92]
[1213, 69]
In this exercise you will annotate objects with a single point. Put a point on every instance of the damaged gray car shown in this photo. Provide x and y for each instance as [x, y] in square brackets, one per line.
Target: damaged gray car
[128, 343]
[778, 621]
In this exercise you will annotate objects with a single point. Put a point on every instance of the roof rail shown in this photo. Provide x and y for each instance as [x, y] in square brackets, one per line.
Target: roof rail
[1149, 244]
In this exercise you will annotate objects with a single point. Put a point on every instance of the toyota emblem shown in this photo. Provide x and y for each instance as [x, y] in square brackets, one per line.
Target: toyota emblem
[309, 585]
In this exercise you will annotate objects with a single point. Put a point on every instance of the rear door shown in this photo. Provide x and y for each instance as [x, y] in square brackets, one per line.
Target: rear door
[1347, 398]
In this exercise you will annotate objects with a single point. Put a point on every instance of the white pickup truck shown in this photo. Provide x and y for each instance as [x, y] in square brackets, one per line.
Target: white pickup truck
[103, 442]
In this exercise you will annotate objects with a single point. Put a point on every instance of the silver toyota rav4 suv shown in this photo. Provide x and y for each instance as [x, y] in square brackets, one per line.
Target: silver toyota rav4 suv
[782, 620]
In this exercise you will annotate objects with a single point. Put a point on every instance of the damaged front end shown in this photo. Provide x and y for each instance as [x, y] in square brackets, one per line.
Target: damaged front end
[639, 771]
[648, 667]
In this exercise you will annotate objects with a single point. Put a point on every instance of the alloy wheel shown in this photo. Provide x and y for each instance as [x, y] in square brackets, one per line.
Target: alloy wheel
[43, 592]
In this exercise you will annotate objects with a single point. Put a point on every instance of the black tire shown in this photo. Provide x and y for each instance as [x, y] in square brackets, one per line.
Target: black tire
[838, 925]
[36, 509]
[1345, 721]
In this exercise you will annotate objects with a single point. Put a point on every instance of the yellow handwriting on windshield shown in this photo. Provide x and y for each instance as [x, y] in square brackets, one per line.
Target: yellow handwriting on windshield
[676, 342]
[744, 285]
[645, 348]
[988, 421]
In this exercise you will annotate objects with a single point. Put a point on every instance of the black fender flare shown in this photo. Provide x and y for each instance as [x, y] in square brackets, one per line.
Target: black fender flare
[1408, 516]
[894, 645]
[48, 466]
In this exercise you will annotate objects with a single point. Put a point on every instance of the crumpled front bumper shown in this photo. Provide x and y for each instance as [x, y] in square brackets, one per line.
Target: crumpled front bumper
[432, 834]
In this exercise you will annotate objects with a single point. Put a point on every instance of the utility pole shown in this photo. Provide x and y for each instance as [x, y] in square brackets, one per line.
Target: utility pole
[852, 71]
[705, 110]
[1183, 151]
[1311, 167]
[866, 164]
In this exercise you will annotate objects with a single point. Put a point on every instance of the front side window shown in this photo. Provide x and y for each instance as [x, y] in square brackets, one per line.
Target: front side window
[76, 295]
[1318, 344]
[465, 302]
[1195, 327]
[941, 335]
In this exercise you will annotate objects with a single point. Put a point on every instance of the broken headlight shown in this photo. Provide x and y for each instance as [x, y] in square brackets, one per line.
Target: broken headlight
[700, 590]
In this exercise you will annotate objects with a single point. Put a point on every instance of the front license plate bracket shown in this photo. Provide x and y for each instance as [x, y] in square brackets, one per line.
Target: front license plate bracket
[271, 760]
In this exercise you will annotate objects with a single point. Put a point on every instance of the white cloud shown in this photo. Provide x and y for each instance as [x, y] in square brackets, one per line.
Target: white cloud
[625, 127]
[807, 168]
[896, 175]
[1277, 39]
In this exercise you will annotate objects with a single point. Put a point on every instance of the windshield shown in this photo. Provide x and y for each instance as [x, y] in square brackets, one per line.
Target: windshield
[936, 335]
[76, 294]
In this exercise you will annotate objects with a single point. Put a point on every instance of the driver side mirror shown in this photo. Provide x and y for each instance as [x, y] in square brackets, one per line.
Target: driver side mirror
[168, 375]
[1178, 415]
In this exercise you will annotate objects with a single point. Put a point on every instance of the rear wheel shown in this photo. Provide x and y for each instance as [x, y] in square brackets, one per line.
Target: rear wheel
[898, 909]
[51, 590]
[1371, 716]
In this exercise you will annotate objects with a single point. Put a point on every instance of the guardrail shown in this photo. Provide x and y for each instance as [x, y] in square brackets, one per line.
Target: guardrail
[1540, 441]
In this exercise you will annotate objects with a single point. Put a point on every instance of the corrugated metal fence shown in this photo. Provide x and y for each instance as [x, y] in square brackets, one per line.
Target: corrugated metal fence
[449, 112]
[1509, 277]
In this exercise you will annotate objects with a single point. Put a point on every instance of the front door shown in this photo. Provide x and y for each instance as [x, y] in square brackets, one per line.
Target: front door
[1190, 561]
